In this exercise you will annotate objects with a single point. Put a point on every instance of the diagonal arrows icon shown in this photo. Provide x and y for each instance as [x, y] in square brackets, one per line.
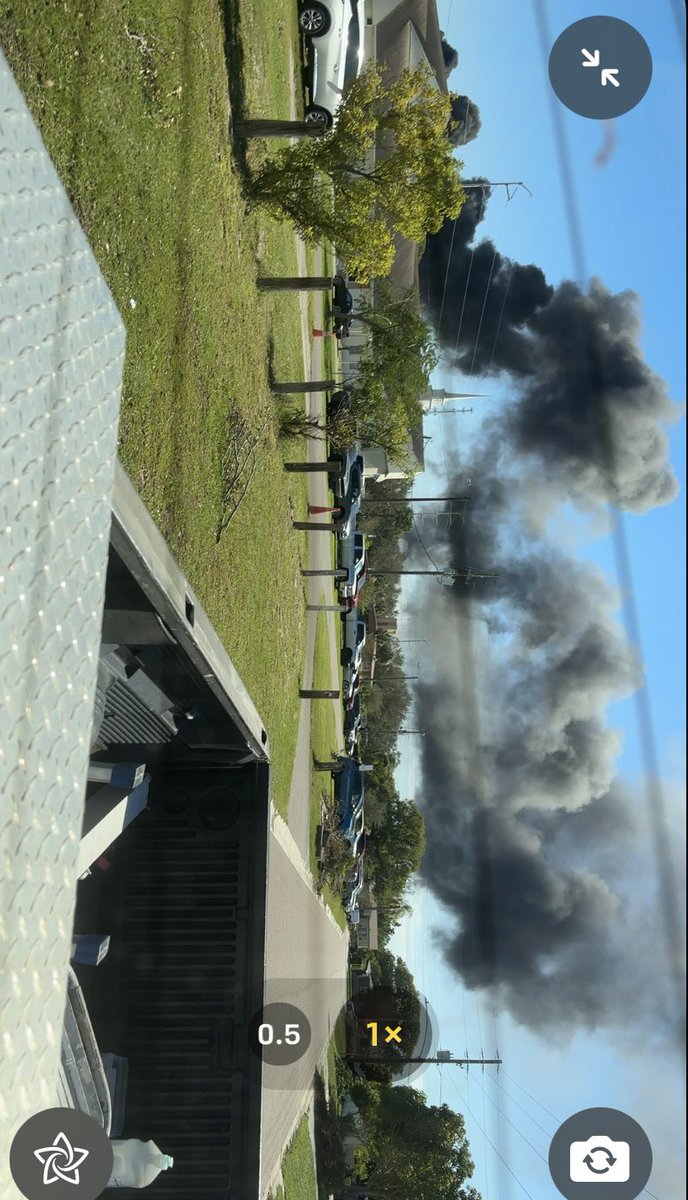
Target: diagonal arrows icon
[593, 60]
[608, 76]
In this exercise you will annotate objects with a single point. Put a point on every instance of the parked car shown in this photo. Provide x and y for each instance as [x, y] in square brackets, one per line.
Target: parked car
[354, 631]
[354, 916]
[348, 784]
[353, 884]
[345, 520]
[353, 723]
[351, 743]
[354, 828]
[338, 404]
[351, 465]
[334, 51]
[351, 602]
[342, 300]
[351, 556]
[353, 891]
[359, 846]
[351, 684]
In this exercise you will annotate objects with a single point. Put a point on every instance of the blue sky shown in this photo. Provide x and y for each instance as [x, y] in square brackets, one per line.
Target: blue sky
[632, 214]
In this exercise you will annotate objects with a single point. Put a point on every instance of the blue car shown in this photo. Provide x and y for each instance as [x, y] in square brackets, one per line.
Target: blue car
[349, 796]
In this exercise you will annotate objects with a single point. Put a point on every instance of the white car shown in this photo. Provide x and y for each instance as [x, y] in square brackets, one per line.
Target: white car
[354, 638]
[351, 557]
[335, 53]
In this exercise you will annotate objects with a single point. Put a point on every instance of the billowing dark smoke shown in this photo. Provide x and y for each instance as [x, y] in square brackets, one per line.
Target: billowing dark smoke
[465, 121]
[528, 835]
[450, 55]
[530, 840]
[588, 410]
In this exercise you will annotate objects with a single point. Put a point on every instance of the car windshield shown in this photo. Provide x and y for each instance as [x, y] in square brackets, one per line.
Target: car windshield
[353, 59]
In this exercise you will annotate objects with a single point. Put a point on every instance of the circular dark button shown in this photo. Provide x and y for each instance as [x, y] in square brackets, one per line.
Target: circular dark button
[598, 1154]
[61, 1153]
[600, 67]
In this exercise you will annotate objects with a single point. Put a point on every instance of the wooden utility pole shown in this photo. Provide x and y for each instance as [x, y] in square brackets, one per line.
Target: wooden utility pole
[263, 128]
[313, 385]
[331, 467]
[294, 283]
[319, 694]
[394, 1061]
[419, 500]
[468, 574]
[318, 526]
[333, 573]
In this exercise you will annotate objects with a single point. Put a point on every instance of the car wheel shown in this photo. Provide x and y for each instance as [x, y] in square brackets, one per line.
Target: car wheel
[318, 116]
[314, 19]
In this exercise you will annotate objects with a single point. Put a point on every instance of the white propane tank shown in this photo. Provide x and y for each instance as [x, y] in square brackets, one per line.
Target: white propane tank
[137, 1163]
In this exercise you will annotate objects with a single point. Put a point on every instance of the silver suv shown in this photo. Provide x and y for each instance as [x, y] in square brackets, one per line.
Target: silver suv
[334, 45]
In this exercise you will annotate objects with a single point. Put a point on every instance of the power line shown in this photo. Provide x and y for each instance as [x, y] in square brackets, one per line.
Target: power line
[495, 1079]
[446, 276]
[482, 311]
[522, 1186]
[501, 316]
[427, 552]
[511, 1123]
[513, 1100]
[456, 219]
[530, 1097]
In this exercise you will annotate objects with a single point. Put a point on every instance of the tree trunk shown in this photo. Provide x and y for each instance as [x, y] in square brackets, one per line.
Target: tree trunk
[316, 526]
[263, 128]
[294, 283]
[312, 385]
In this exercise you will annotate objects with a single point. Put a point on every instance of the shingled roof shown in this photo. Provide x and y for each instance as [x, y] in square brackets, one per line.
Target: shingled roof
[393, 48]
[392, 37]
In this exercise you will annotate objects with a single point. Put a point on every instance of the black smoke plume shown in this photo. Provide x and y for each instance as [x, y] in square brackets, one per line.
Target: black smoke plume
[450, 55]
[532, 844]
[588, 411]
[529, 836]
[465, 123]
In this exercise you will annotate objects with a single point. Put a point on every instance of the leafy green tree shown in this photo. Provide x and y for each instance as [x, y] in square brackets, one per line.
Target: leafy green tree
[414, 1151]
[394, 847]
[392, 375]
[387, 523]
[403, 351]
[325, 187]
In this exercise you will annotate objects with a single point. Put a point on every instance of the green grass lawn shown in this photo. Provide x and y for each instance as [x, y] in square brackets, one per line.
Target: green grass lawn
[336, 1050]
[132, 101]
[298, 1167]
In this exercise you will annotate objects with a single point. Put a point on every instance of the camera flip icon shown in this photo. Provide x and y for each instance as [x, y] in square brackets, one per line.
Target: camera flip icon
[600, 1159]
